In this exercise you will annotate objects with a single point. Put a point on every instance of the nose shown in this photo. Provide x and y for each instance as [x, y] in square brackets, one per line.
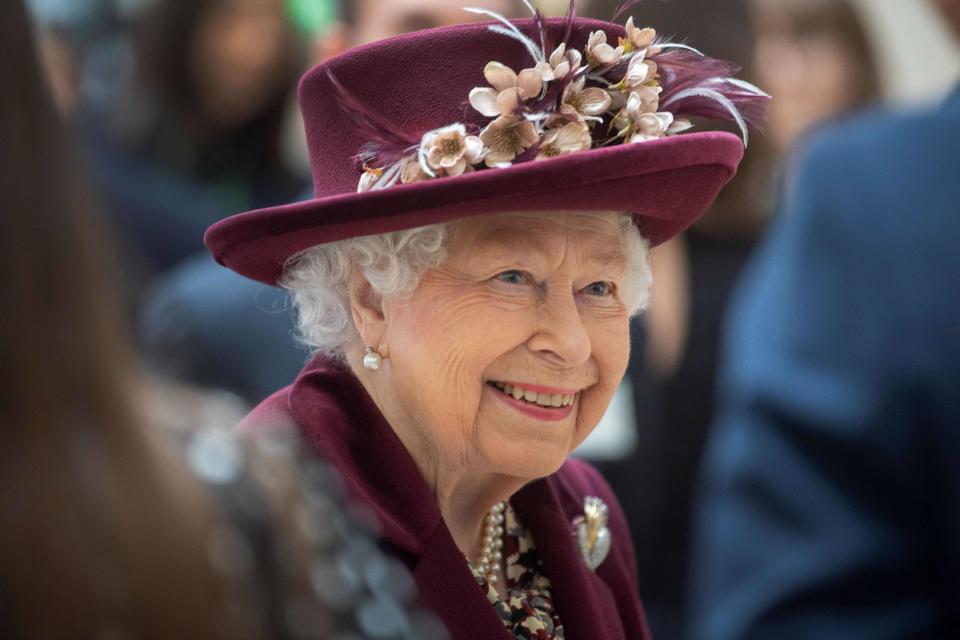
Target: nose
[560, 335]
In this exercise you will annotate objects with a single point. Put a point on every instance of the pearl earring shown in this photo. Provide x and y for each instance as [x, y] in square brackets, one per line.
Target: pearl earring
[372, 360]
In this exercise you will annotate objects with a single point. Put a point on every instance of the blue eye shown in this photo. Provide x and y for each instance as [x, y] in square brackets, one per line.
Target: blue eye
[512, 277]
[601, 289]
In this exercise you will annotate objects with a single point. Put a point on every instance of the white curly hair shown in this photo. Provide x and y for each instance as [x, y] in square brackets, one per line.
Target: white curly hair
[318, 278]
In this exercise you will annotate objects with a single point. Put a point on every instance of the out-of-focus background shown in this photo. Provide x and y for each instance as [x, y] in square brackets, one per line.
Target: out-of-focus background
[184, 112]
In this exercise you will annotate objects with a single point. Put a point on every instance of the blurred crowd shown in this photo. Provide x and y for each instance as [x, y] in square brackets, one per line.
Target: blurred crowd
[178, 113]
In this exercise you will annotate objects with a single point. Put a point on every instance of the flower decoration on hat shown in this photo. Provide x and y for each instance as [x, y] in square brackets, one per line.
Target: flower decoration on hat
[637, 90]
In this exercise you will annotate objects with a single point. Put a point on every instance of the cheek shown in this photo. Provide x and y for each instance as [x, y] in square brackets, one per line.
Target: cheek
[440, 350]
[611, 352]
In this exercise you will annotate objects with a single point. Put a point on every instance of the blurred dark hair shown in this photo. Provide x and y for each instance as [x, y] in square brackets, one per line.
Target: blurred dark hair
[164, 34]
[98, 532]
[838, 18]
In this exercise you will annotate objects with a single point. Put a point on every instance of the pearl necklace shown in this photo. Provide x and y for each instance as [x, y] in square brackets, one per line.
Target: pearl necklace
[490, 556]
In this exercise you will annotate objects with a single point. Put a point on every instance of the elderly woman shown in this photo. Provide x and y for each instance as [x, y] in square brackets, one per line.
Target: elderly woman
[469, 302]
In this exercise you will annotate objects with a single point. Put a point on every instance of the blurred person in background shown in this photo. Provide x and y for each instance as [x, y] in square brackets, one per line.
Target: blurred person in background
[200, 135]
[829, 505]
[204, 324]
[124, 513]
[85, 55]
[812, 55]
[816, 58]
[143, 104]
[199, 132]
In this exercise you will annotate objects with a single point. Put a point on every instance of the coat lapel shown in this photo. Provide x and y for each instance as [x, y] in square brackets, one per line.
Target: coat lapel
[344, 426]
[341, 422]
[448, 588]
[582, 598]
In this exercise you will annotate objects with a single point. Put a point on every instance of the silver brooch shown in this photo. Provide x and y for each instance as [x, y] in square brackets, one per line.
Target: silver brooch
[593, 536]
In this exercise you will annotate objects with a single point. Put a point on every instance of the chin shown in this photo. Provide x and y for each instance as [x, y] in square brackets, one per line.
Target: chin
[526, 463]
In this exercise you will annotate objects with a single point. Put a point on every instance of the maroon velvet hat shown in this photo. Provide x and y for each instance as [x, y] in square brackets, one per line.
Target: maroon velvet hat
[420, 82]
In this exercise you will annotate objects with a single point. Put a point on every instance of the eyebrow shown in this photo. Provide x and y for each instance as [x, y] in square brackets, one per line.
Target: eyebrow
[612, 257]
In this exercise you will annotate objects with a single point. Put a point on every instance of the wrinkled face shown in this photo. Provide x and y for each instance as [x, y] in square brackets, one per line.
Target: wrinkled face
[507, 355]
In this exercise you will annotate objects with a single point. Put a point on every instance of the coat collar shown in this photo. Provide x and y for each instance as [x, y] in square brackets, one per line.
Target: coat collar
[344, 425]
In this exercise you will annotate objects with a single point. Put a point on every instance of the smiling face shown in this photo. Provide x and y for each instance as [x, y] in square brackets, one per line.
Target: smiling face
[506, 356]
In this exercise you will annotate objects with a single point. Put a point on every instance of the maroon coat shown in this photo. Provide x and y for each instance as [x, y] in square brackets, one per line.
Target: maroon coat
[346, 429]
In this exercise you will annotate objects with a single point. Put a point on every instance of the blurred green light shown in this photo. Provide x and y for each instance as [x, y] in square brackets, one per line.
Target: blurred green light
[312, 16]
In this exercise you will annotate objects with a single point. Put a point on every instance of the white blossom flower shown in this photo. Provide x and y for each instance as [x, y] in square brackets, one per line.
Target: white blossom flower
[639, 39]
[449, 151]
[560, 63]
[368, 178]
[507, 137]
[412, 172]
[570, 138]
[640, 72]
[507, 91]
[679, 125]
[640, 119]
[641, 101]
[599, 53]
[581, 104]
[650, 126]
[641, 76]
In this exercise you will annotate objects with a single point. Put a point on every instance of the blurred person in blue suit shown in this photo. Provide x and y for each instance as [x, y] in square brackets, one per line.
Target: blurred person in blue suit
[830, 504]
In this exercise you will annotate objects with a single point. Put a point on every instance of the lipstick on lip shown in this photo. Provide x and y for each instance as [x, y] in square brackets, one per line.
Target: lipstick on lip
[536, 411]
[551, 410]
[541, 389]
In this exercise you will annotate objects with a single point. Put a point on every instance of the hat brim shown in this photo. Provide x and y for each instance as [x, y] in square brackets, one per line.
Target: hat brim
[667, 184]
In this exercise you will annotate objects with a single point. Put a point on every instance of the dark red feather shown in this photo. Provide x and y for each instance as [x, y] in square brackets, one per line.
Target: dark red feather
[386, 143]
[752, 106]
[541, 24]
[681, 69]
[622, 8]
[567, 27]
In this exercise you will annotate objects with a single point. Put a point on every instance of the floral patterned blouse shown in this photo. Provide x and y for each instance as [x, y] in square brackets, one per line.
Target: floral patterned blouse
[528, 611]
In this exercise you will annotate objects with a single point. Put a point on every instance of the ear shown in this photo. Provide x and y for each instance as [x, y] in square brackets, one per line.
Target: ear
[366, 309]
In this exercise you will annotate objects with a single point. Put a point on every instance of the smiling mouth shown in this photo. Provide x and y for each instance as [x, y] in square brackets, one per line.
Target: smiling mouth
[535, 398]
